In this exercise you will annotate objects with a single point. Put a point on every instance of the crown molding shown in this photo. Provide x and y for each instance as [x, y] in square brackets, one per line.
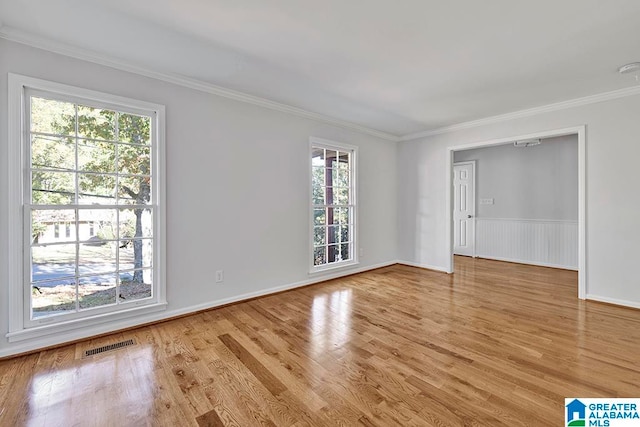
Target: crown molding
[563, 105]
[23, 37]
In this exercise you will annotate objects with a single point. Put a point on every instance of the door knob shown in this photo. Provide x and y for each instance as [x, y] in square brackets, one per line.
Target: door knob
[469, 216]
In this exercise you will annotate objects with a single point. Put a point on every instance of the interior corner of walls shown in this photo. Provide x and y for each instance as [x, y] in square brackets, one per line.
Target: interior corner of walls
[424, 266]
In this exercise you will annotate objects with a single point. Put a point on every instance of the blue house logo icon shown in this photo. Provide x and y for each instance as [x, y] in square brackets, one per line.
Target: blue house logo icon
[576, 413]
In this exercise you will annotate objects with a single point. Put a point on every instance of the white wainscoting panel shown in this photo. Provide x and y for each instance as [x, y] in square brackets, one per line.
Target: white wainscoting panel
[551, 243]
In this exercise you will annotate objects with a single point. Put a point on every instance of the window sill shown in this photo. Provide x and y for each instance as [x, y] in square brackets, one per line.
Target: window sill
[333, 268]
[71, 325]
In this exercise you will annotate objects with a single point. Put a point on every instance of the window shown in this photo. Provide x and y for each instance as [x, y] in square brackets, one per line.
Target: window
[91, 159]
[333, 233]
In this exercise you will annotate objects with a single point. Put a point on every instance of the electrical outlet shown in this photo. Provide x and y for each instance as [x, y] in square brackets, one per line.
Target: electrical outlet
[361, 252]
[219, 276]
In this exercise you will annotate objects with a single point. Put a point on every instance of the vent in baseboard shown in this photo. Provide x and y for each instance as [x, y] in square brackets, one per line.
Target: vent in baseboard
[109, 347]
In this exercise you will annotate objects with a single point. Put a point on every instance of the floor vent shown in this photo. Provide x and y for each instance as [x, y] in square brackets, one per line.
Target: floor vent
[109, 347]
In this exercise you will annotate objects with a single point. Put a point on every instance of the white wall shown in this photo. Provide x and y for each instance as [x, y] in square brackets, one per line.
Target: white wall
[537, 182]
[237, 188]
[612, 151]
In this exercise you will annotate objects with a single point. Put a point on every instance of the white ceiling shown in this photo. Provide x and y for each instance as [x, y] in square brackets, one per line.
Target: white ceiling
[400, 67]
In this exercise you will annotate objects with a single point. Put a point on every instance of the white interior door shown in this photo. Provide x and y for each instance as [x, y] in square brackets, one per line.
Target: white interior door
[464, 208]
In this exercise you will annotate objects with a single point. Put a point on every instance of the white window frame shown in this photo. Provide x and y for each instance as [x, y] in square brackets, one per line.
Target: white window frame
[333, 145]
[21, 327]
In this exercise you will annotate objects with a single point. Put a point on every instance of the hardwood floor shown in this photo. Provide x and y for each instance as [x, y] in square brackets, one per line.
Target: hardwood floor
[494, 344]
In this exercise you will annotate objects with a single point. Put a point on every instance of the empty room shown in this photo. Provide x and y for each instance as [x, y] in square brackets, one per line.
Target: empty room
[293, 213]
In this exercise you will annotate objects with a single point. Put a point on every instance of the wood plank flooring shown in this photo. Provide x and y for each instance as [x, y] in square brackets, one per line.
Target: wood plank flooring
[495, 344]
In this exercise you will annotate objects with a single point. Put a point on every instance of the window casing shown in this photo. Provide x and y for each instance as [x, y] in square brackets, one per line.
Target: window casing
[333, 205]
[92, 164]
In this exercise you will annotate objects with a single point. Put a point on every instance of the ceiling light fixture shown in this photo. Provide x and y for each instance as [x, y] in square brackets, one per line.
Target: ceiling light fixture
[526, 143]
[632, 69]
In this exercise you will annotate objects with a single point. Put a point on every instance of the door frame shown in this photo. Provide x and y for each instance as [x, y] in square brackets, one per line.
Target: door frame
[473, 191]
[580, 131]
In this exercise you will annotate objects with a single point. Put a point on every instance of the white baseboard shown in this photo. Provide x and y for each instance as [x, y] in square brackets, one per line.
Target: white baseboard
[114, 327]
[425, 266]
[521, 261]
[264, 292]
[624, 303]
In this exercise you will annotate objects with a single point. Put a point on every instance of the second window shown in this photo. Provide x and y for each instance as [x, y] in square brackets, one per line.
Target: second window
[333, 200]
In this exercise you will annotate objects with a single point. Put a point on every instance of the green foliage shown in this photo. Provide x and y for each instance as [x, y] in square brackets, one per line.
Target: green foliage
[36, 230]
[331, 186]
[107, 141]
[75, 143]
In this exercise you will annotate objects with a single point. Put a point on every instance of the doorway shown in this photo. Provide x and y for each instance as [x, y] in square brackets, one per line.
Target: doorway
[450, 193]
